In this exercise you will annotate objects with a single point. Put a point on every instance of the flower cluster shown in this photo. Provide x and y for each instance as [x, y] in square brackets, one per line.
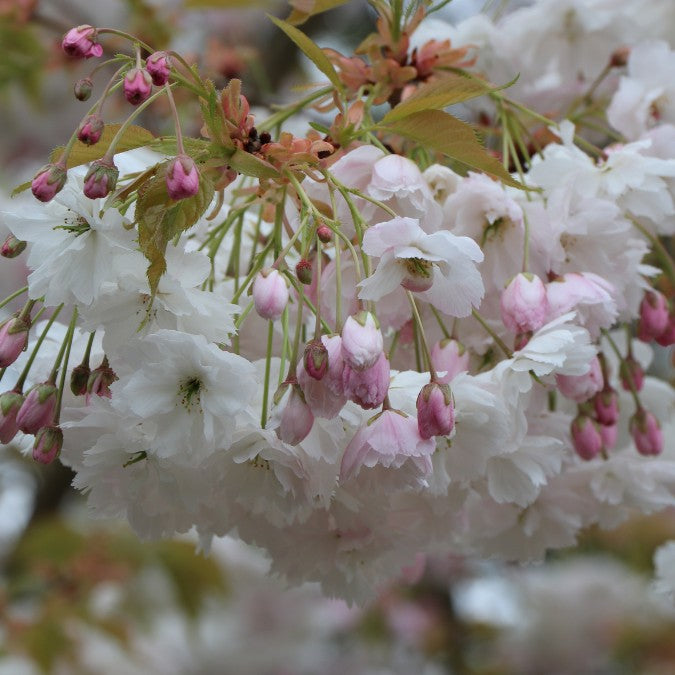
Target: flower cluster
[356, 347]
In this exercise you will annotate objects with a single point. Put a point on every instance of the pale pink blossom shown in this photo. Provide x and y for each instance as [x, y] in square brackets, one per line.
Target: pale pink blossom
[362, 342]
[582, 387]
[523, 303]
[450, 357]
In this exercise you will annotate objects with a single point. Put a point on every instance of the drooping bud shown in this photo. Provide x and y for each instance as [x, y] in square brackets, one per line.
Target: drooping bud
[101, 178]
[295, 419]
[79, 378]
[12, 247]
[80, 43]
[137, 85]
[303, 270]
[667, 338]
[270, 294]
[324, 233]
[367, 388]
[48, 182]
[630, 371]
[182, 178]
[362, 343]
[451, 357]
[609, 434]
[13, 339]
[100, 380]
[646, 432]
[524, 304]
[435, 410]
[586, 437]
[10, 404]
[619, 57]
[48, 444]
[582, 387]
[37, 410]
[653, 316]
[91, 129]
[82, 89]
[315, 359]
[606, 404]
[159, 67]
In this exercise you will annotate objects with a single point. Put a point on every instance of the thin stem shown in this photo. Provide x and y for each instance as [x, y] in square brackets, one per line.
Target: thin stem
[176, 120]
[87, 351]
[629, 379]
[62, 383]
[493, 335]
[660, 250]
[268, 363]
[11, 297]
[126, 36]
[59, 356]
[422, 334]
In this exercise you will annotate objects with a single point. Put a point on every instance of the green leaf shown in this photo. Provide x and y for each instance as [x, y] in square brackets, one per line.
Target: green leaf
[133, 137]
[444, 133]
[311, 50]
[21, 188]
[304, 9]
[250, 165]
[160, 219]
[438, 94]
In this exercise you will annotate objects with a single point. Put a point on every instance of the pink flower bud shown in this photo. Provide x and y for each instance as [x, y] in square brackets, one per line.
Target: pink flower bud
[48, 444]
[524, 304]
[653, 316]
[79, 378]
[101, 178]
[296, 417]
[315, 359]
[367, 388]
[159, 67]
[581, 387]
[609, 434]
[12, 247]
[667, 338]
[10, 403]
[435, 410]
[137, 85]
[362, 342]
[270, 294]
[303, 270]
[630, 371]
[451, 357]
[91, 130]
[13, 339]
[182, 178]
[646, 432]
[326, 396]
[82, 89]
[586, 437]
[37, 410]
[48, 182]
[606, 404]
[81, 43]
[324, 233]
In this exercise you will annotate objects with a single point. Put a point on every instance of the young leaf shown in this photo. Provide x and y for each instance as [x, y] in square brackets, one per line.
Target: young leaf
[304, 9]
[444, 133]
[133, 137]
[160, 219]
[438, 94]
[311, 50]
[250, 165]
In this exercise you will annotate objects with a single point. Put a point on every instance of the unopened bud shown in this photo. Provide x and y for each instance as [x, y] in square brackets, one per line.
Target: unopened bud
[10, 404]
[367, 388]
[79, 378]
[159, 67]
[524, 304]
[324, 233]
[83, 89]
[582, 387]
[182, 178]
[619, 57]
[362, 342]
[81, 43]
[101, 178]
[646, 432]
[48, 444]
[653, 316]
[451, 357]
[435, 410]
[303, 270]
[667, 338]
[606, 405]
[316, 359]
[609, 434]
[37, 410]
[91, 130]
[586, 437]
[13, 339]
[270, 294]
[295, 417]
[12, 247]
[48, 182]
[137, 85]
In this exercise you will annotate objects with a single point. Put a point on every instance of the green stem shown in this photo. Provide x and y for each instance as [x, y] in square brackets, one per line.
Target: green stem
[629, 379]
[660, 250]
[493, 335]
[176, 120]
[62, 383]
[423, 337]
[268, 363]
[126, 36]
[11, 297]
[59, 356]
